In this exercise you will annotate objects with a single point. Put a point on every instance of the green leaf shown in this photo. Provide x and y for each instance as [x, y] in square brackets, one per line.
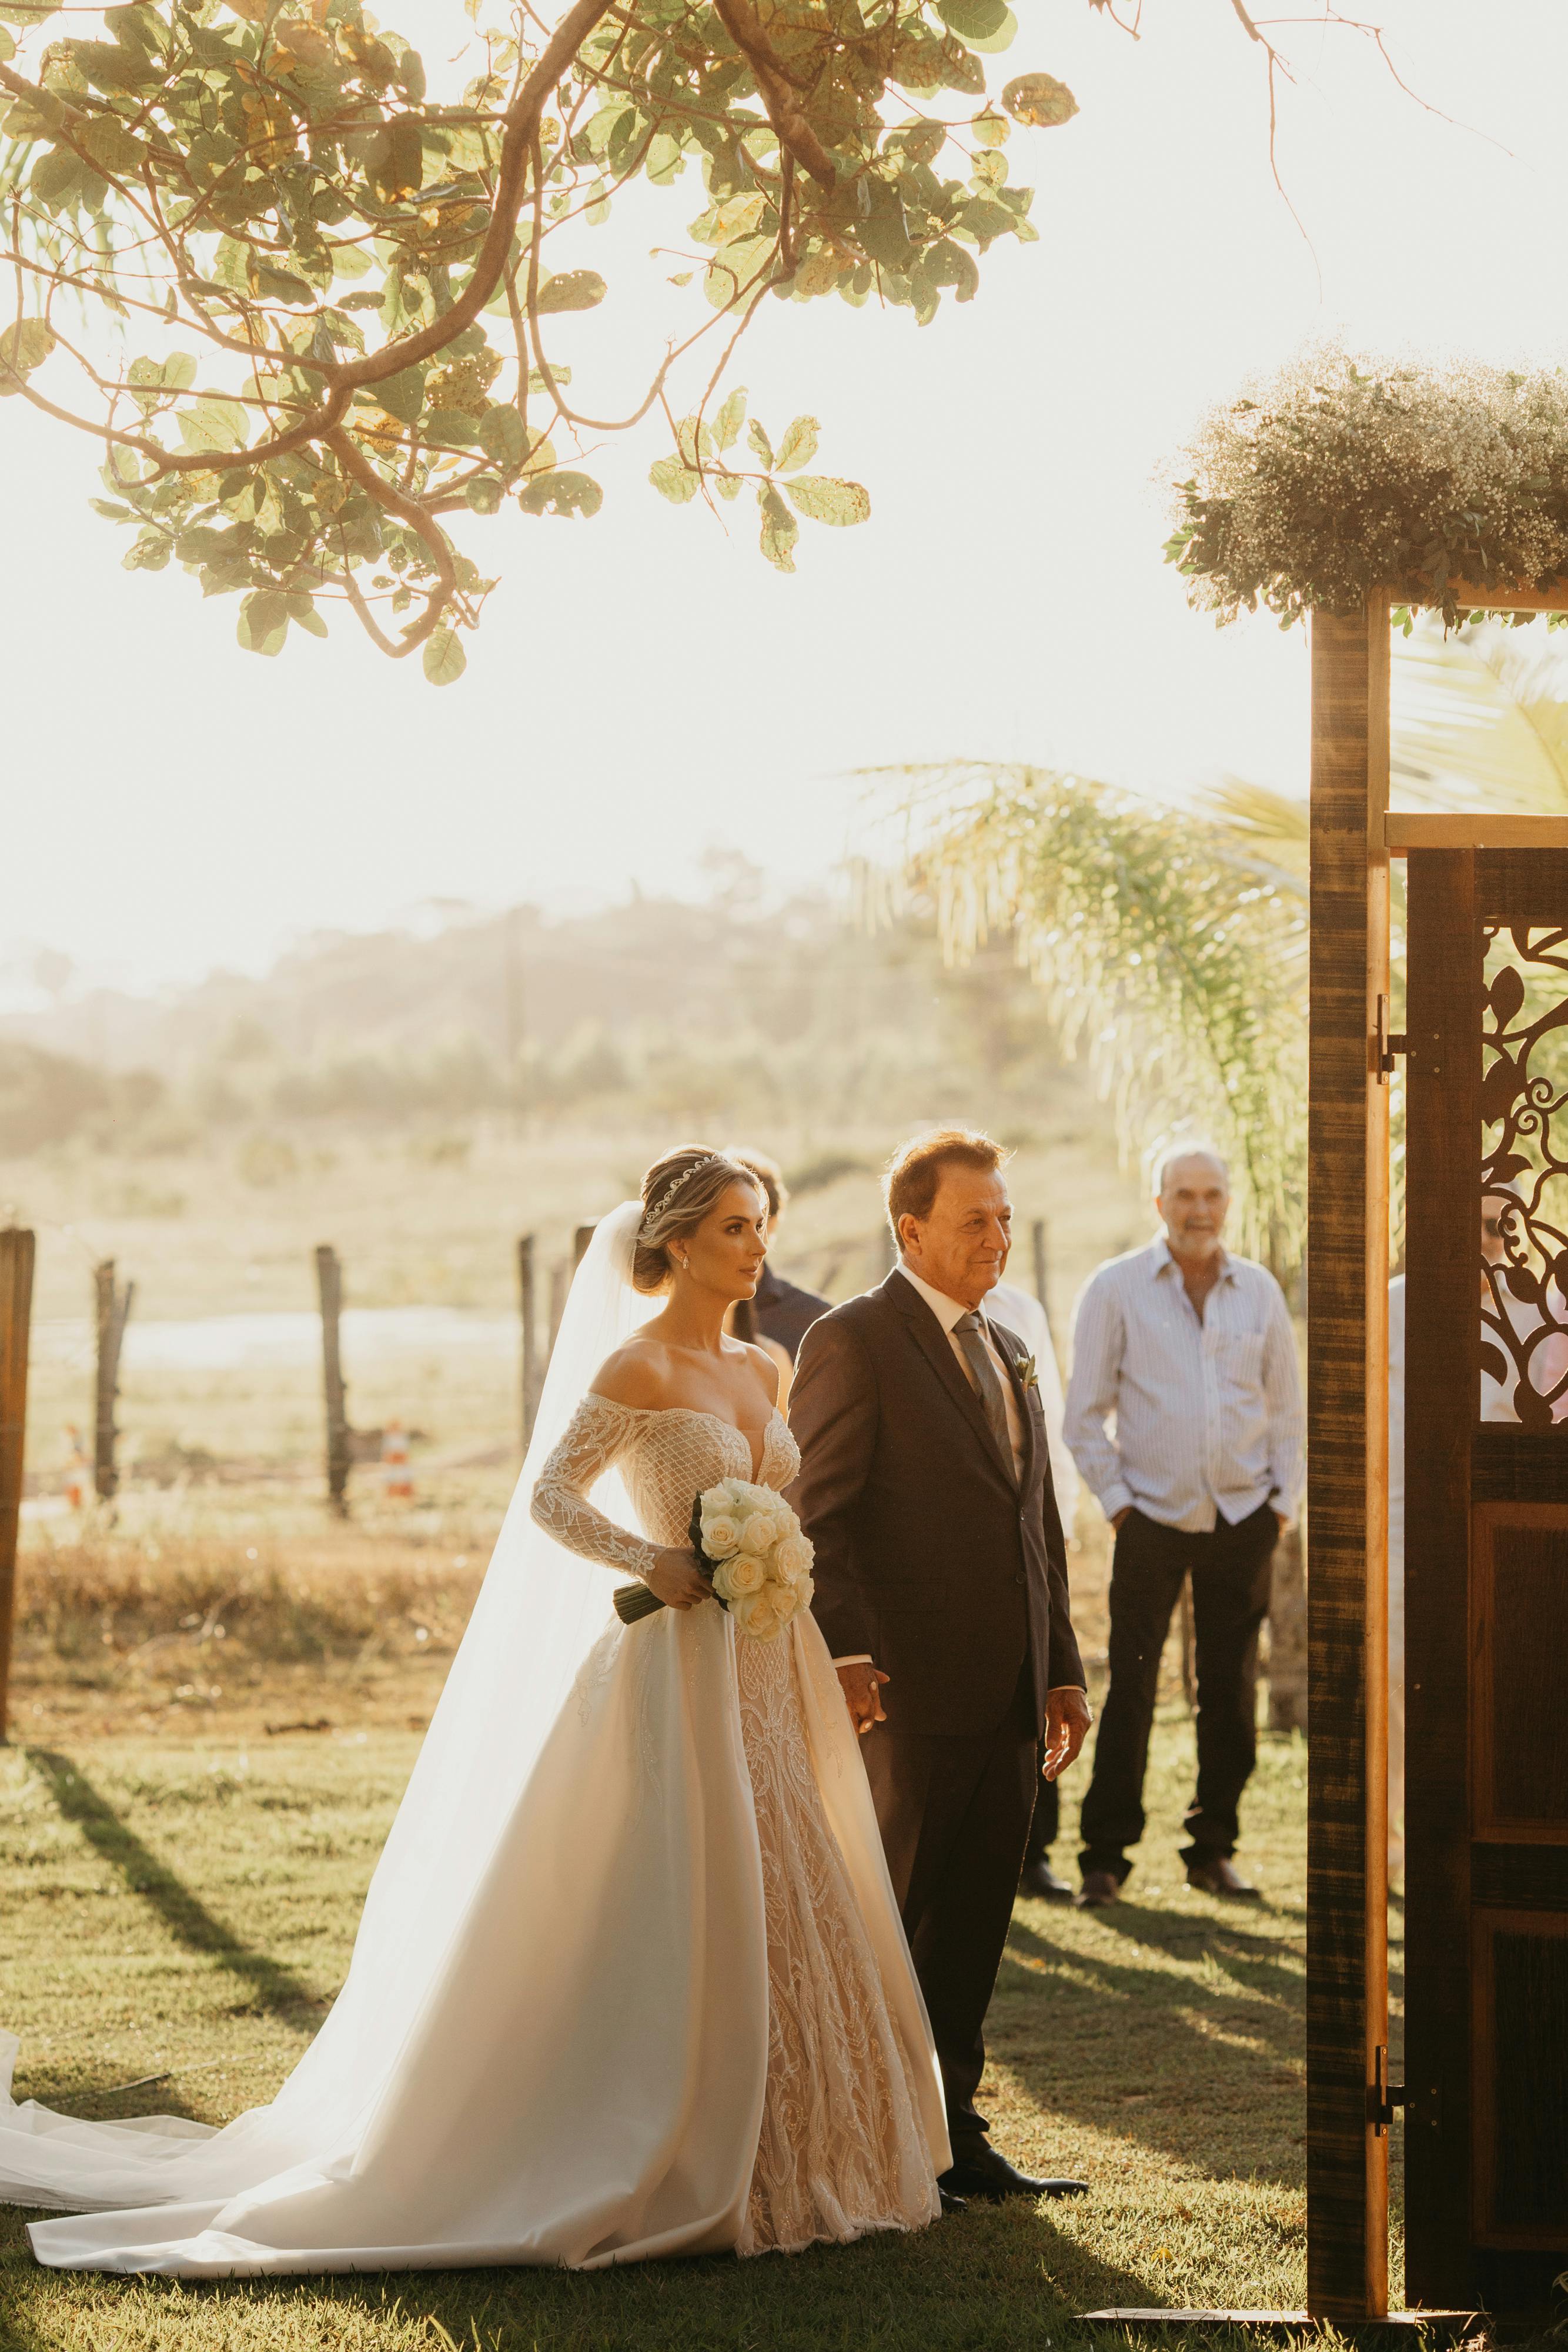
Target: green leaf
[884, 232]
[562, 494]
[483, 495]
[731, 276]
[760, 443]
[398, 168]
[573, 289]
[312, 622]
[454, 427]
[263, 622]
[214, 425]
[1039, 100]
[7, 47]
[444, 659]
[799, 446]
[503, 436]
[673, 481]
[992, 130]
[26, 13]
[111, 146]
[779, 529]
[402, 395]
[825, 499]
[57, 178]
[25, 345]
[727, 425]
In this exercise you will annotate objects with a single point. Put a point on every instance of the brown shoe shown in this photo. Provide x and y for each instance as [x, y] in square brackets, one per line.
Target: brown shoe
[1099, 1887]
[1212, 1874]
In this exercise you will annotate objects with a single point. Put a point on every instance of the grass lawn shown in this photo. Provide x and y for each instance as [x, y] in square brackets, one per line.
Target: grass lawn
[186, 1910]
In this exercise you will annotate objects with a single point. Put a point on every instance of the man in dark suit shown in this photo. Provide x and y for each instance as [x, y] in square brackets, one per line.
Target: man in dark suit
[941, 1578]
[781, 1311]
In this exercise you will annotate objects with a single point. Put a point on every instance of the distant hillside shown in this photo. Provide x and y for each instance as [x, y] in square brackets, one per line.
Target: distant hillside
[724, 1008]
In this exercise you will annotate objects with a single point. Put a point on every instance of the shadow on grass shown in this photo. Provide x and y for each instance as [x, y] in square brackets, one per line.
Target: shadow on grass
[1205, 2075]
[969, 2283]
[271, 1984]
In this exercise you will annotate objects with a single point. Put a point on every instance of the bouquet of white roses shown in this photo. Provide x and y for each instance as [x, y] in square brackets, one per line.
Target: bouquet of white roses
[750, 1548]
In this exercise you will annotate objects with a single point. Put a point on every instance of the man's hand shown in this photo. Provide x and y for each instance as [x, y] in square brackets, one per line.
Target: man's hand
[862, 1687]
[1068, 1717]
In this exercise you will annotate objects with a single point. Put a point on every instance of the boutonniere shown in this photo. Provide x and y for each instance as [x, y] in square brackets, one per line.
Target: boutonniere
[1029, 1373]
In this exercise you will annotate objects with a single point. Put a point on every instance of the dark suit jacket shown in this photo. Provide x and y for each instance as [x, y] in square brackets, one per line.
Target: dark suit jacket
[930, 1558]
[782, 1311]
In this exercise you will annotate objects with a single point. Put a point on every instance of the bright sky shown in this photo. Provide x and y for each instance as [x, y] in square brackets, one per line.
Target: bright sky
[643, 686]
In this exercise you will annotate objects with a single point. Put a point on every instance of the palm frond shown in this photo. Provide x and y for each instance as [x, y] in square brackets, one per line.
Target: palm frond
[1482, 713]
[1167, 949]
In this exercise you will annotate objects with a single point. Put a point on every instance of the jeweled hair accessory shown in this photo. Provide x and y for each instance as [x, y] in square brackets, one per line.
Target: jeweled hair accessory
[678, 1184]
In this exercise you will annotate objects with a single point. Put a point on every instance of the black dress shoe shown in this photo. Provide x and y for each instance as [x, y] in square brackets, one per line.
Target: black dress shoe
[981, 2172]
[1099, 1887]
[951, 2204]
[1038, 1878]
[1212, 1874]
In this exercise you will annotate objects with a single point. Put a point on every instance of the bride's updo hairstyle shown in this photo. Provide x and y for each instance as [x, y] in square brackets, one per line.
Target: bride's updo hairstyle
[678, 1191]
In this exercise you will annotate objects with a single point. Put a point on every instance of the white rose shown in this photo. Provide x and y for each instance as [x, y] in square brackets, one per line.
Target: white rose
[737, 1577]
[758, 1616]
[792, 1559]
[721, 1533]
[759, 1533]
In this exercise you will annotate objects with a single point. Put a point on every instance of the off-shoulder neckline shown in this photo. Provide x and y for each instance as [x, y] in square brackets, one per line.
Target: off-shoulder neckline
[695, 1412]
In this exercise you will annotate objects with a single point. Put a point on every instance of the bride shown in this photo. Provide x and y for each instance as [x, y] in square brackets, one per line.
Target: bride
[630, 1979]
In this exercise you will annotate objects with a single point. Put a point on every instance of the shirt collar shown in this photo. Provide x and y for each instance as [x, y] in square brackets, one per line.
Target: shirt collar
[947, 1311]
[1161, 1255]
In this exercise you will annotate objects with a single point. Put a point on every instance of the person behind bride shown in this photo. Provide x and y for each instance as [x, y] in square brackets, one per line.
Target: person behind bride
[631, 1979]
[942, 1581]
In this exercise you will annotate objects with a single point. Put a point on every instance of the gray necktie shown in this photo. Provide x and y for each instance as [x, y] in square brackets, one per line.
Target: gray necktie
[983, 1375]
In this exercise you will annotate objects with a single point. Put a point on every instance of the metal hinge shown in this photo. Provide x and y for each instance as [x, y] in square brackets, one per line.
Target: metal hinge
[1388, 1044]
[1384, 2098]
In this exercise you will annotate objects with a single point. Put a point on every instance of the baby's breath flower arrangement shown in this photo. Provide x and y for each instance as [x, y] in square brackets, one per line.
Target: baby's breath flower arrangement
[1337, 478]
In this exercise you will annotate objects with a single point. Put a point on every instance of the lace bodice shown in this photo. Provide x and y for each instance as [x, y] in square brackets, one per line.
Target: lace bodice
[667, 1455]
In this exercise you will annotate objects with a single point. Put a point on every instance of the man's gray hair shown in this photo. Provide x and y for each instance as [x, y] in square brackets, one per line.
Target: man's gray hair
[1194, 1149]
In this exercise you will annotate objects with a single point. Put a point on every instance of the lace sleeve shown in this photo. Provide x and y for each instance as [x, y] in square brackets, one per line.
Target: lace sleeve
[594, 1436]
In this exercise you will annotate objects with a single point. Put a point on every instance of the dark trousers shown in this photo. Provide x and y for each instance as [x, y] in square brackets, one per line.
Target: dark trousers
[1046, 1825]
[1229, 1571]
[953, 1815]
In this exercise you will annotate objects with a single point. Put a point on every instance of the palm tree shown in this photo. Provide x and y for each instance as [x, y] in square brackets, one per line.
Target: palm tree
[1170, 942]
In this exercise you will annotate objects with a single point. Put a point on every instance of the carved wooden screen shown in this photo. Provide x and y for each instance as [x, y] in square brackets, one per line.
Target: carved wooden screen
[1487, 1577]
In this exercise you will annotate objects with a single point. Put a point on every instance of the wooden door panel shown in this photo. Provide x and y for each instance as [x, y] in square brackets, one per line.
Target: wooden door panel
[1487, 1575]
[1520, 2038]
[1519, 1635]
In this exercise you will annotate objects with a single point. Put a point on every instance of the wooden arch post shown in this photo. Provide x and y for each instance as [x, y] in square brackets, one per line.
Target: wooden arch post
[1347, 1471]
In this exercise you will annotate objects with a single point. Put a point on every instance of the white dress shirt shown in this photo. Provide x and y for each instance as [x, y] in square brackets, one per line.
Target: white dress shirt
[1020, 1311]
[1208, 1418]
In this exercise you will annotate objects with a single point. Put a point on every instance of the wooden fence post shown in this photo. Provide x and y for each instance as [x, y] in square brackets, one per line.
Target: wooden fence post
[1042, 1285]
[330, 1288]
[528, 1308]
[17, 1256]
[1347, 1471]
[113, 1309]
[579, 1241]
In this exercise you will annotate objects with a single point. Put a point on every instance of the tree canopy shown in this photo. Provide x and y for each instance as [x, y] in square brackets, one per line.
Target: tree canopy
[308, 303]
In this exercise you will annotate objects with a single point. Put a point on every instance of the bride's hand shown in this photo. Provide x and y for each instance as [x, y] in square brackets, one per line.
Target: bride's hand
[674, 1578]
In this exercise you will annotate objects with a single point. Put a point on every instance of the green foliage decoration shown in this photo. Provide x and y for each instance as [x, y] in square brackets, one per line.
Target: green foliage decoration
[1339, 477]
[298, 291]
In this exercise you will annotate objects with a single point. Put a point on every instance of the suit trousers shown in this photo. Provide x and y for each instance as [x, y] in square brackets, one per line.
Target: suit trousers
[953, 1814]
[1230, 1568]
[1046, 1825]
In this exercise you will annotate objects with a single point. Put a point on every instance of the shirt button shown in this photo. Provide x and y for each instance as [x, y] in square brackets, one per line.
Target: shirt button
[1020, 1578]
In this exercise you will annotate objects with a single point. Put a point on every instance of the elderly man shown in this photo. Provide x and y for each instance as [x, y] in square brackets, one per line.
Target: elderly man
[1191, 1350]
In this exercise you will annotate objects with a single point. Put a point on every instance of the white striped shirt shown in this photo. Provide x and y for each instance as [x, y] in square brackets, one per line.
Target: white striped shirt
[1208, 1418]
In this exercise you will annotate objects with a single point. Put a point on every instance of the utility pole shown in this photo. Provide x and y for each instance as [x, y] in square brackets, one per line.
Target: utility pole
[17, 1252]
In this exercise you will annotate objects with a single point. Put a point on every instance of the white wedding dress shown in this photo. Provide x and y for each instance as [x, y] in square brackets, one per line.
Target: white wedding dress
[631, 1981]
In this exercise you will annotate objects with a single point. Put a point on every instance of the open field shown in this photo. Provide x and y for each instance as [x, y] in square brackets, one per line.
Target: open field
[184, 1909]
[221, 1379]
